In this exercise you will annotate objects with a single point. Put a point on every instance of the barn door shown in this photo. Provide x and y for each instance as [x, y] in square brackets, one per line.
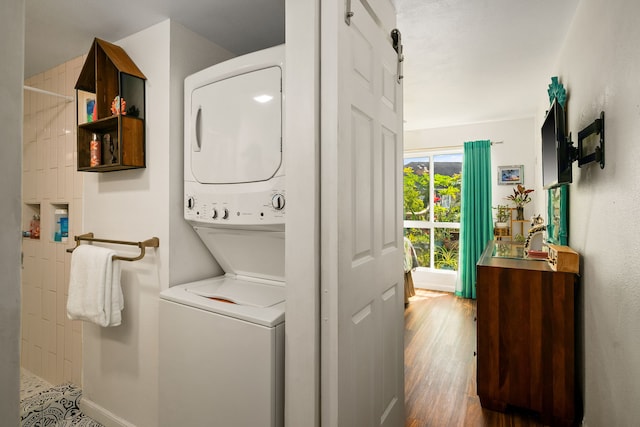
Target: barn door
[362, 372]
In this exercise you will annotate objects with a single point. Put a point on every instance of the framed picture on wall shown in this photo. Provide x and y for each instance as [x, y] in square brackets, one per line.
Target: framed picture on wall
[509, 175]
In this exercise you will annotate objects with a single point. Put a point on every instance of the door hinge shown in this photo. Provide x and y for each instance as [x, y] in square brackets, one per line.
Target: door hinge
[397, 45]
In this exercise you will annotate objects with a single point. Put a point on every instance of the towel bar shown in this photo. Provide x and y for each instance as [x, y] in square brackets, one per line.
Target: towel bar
[153, 242]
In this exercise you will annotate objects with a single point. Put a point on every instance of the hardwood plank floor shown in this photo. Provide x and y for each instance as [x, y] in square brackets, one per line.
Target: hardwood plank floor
[440, 366]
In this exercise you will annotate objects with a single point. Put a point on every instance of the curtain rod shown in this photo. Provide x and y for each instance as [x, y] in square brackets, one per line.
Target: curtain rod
[447, 147]
[46, 92]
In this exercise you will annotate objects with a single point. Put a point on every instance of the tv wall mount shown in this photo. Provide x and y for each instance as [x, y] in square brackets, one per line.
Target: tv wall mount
[591, 143]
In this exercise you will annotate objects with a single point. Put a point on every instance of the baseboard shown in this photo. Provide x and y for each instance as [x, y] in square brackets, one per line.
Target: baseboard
[101, 415]
[437, 287]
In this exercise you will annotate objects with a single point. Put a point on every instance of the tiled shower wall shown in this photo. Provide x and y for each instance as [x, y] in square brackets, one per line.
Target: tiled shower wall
[51, 343]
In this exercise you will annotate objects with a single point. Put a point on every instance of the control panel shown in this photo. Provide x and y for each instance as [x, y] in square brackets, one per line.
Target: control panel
[265, 207]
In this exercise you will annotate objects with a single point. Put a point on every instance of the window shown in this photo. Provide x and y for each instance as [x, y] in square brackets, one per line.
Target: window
[432, 208]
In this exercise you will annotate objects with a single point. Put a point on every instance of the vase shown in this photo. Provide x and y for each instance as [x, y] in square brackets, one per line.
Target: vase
[520, 213]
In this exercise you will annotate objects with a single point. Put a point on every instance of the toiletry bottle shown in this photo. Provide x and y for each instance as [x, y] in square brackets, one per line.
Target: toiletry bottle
[35, 227]
[95, 151]
[64, 226]
[61, 220]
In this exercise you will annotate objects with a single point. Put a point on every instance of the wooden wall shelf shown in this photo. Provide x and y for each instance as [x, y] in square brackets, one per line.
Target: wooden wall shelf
[109, 77]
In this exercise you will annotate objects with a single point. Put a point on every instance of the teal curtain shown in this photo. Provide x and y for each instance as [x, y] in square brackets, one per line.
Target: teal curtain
[476, 221]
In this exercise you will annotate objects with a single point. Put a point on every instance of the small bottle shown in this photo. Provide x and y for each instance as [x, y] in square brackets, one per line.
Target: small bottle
[62, 226]
[95, 151]
[34, 228]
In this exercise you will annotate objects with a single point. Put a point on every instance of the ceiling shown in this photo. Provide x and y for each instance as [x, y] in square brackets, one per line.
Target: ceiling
[466, 61]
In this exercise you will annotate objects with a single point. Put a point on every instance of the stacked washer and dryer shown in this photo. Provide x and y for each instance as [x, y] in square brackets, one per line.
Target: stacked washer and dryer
[222, 338]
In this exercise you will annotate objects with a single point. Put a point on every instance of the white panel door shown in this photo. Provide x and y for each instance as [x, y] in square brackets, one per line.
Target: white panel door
[362, 371]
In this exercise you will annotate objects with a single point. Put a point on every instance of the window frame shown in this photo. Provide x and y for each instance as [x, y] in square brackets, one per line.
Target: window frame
[438, 279]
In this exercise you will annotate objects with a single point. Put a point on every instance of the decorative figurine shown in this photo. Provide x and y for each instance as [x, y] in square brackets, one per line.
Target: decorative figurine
[118, 102]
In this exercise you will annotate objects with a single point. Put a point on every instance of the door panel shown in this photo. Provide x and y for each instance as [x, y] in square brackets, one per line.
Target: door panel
[363, 380]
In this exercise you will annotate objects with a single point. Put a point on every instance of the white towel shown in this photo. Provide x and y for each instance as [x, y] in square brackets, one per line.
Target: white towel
[95, 293]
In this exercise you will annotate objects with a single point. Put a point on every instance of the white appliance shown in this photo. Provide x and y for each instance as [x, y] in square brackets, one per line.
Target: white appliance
[222, 338]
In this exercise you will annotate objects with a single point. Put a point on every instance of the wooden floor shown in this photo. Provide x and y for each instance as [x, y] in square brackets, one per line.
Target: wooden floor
[440, 366]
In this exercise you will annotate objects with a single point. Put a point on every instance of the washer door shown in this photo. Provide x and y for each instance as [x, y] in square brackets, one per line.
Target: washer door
[236, 132]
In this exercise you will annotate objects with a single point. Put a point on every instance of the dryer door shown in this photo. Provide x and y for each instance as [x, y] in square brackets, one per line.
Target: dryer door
[237, 128]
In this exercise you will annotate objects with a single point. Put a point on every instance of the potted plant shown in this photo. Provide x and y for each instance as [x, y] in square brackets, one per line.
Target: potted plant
[520, 197]
[502, 216]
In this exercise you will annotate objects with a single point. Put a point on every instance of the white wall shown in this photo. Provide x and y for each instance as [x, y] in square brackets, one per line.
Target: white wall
[189, 53]
[517, 148]
[599, 66]
[120, 372]
[302, 243]
[11, 77]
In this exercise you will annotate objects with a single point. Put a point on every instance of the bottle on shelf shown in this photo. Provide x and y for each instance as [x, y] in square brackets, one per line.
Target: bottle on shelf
[62, 226]
[95, 151]
[34, 227]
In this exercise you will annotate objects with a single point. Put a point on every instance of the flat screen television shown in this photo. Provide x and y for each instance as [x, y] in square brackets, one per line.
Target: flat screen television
[556, 150]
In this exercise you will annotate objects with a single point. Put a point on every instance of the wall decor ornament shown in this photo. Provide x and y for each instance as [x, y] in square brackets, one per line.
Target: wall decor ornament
[557, 90]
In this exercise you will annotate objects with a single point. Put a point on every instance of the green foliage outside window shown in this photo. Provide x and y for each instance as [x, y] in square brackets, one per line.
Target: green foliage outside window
[420, 239]
[446, 208]
[416, 192]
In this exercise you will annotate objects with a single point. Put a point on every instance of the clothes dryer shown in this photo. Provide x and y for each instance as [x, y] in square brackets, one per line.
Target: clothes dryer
[222, 338]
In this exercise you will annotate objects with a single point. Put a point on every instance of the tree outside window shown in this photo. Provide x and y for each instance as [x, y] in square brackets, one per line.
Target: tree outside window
[432, 208]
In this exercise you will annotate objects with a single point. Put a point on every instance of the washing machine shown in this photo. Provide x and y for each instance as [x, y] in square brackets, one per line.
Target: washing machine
[221, 360]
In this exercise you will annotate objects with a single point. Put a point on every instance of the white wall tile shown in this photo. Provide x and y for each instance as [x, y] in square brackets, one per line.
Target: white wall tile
[68, 339]
[77, 325]
[40, 146]
[35, 323]
[36, 360]
[29, 128]
[29, 270]
[70, 148]
[51, 330]
[51, 184]
[61, 178]
[52, 153]
[40, 180]
[50, 371]
[61, 252]
[49, 347]
[77, 357]
[68, 185]
[60, 354]
[46, 117]
[68, 371]
[45, 309]
[61, 307]
[60, 282]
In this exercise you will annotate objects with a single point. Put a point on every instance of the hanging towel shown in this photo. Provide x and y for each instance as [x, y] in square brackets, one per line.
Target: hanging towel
[95, 294]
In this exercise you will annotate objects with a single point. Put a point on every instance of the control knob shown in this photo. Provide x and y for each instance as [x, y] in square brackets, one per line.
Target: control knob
[277, 201]
[191, 202]
[225, 213]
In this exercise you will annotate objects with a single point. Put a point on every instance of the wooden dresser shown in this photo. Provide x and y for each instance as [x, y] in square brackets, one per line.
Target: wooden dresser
[526, 336]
